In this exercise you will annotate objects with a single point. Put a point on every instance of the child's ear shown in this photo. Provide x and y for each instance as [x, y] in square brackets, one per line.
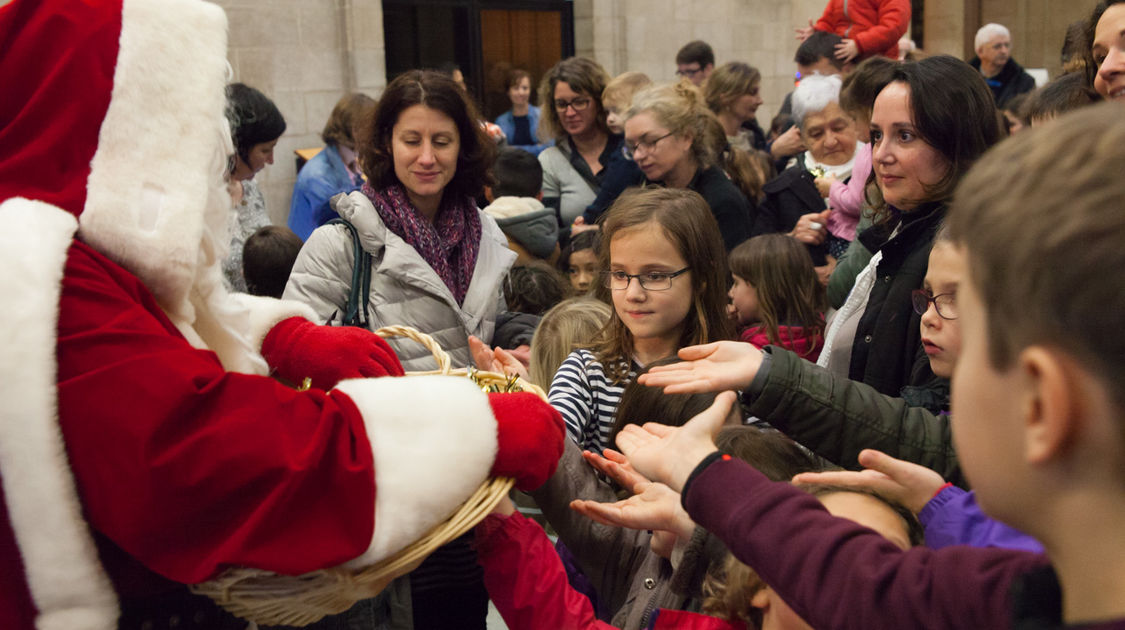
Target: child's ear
[1055, 405]
[488, 194]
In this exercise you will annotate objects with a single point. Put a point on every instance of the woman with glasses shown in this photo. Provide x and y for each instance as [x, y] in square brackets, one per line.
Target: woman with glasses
[666, 135]
[573, 116]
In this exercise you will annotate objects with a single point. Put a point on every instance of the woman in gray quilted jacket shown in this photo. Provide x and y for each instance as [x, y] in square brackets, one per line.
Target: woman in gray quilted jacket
[437, 262]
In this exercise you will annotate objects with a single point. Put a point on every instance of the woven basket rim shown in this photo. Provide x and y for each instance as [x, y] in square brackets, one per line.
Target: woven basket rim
[268, 598]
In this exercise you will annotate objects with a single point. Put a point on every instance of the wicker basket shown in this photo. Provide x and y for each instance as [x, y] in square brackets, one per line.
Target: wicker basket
[268, 598]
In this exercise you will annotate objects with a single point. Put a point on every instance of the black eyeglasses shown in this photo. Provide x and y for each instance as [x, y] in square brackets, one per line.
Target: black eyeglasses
[945, 304]
[688, 72]
[630, 151]
[650, 281]
[579, 104]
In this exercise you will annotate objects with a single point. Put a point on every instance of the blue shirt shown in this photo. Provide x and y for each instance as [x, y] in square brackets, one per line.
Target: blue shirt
[319, 180]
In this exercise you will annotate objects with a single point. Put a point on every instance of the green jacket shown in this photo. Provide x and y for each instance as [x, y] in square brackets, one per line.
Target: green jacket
[837, 418]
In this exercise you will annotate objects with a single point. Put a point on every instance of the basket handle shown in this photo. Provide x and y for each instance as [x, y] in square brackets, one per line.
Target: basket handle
[441, 356]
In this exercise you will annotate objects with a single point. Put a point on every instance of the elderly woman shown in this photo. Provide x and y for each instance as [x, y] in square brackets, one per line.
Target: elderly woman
[437, 262]
[792, 204]
[732, 92]
[332, 171]
[573, 116]
[666, 135]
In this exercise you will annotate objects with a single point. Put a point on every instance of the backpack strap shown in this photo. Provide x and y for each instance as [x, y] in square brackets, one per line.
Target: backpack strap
[355, 310]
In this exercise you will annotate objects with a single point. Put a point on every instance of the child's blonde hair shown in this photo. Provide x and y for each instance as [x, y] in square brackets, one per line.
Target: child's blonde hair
[789, 291]
[619, 91]
[568, 325]
[686, 219]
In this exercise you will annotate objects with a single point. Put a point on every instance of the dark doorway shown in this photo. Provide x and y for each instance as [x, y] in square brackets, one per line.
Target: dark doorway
[485, 38]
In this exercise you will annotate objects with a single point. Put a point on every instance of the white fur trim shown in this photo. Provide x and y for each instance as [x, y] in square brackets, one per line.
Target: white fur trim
[264, 313]
[434, 441]
[64, 574]
[156, 202]
[155, 166]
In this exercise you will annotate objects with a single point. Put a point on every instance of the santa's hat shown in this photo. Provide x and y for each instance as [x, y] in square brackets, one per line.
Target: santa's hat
[112, 113]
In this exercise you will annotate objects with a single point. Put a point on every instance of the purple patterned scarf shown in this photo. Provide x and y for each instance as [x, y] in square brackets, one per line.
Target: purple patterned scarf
[450, 244]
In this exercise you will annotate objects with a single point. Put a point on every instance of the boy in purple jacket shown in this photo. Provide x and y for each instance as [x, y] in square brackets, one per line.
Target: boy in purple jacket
[1038, 416]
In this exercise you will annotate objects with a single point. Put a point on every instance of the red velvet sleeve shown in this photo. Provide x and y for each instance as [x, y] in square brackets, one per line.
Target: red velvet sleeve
[187, 467]
[892, 20]
[526, 580]
[835, 573]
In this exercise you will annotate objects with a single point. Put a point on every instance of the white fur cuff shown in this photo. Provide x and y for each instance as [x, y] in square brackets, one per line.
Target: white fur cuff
[264, 313]
[434, 441]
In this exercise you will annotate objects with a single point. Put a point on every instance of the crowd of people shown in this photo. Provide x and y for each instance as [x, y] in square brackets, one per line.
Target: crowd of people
[858, 368]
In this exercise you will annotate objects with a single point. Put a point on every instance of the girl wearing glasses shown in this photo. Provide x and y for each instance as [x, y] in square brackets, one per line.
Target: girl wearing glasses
[573, 116]
[666, 135]
[667, 273]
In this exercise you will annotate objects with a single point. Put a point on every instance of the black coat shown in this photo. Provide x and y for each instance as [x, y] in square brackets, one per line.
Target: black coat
[788, 196]
[1009, 83]
[887, 352]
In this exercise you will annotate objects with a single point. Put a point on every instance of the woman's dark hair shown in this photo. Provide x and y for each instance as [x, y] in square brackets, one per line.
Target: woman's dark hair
[953, 111]
[346, 115]
[438, 92]
[253, 117]
[1091, 66]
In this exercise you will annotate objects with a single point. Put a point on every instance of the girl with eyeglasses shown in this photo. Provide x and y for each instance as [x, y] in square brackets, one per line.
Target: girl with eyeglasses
[666, 271]
[666, 134]
[573, 116]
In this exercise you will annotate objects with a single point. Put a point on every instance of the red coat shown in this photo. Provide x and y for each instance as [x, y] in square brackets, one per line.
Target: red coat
[875, 25]
[528, 584]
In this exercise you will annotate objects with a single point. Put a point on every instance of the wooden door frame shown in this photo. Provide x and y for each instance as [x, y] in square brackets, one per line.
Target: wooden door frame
[475, 68]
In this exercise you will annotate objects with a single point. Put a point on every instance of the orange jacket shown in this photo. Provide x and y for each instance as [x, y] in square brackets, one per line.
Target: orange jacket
[875, 25]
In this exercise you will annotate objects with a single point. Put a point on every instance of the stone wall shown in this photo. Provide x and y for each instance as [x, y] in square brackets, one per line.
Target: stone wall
[305, 55]
[644, 35]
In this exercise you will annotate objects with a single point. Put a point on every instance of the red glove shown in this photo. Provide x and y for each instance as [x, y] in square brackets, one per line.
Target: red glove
[298, 349]
[530, 438]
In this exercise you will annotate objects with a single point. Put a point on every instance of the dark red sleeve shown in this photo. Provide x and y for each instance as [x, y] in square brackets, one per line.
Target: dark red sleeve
[526, 580]
[837, 574]
[187, 467]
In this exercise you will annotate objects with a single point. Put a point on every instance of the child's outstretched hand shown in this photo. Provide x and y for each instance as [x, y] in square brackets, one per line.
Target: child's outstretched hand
[496, 360]
[712, 367]
[803, 32]
[905, 482]
[654, 506]
[669, 454]
[616, 466]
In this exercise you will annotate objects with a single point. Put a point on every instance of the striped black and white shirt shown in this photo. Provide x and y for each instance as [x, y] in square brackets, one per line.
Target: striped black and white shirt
[587, 400]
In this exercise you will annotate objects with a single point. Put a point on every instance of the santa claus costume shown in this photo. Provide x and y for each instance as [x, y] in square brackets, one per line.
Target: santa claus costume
[143, 444]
